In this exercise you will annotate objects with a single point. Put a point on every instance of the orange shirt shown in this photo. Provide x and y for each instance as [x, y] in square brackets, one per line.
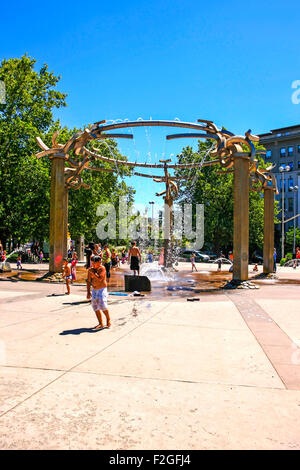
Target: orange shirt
[97, 277]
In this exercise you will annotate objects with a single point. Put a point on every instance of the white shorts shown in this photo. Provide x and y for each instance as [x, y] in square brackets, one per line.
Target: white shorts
[99, 299]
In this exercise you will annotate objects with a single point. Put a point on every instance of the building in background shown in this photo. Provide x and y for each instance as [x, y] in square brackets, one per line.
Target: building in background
[283, 149]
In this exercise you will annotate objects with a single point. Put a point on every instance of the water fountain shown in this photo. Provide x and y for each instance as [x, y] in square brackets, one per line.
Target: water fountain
[155, 272]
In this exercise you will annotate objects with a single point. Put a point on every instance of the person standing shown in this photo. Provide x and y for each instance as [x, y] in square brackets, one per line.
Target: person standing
[220, 261]
[134, 258]
[193, 260]
[19, 262]
[88, 253]
[67, 274]
[97, 279]
[297, 255]
[114, 260]
[73, 266]
[106, 261]
[275, 257]
[162, 257]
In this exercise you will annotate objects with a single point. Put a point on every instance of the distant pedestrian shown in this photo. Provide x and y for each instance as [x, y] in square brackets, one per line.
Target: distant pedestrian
[73, 266]
[67, 274]
[19, 262]
[161, 257]
[275, 257]
[106, 261]
[114, 258]
[295, 263]
[41, 256]
[220, 260]
[193, 260]
[88, 253]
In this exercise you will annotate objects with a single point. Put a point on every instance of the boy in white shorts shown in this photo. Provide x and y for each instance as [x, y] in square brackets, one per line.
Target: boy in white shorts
[97, 279]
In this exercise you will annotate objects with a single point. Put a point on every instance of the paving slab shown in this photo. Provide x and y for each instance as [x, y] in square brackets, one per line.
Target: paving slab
[16, 385]
[5, 294]
[64, 337]
[203, 314]
[286, 313]
[187, 353]
[86, 411]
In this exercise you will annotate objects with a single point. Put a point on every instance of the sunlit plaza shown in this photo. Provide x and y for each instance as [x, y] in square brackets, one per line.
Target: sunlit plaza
[149, 231]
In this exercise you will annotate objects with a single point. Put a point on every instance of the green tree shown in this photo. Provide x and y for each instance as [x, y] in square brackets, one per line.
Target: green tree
[214, 188]
[25, 180]
[105, 187]
[289, 244]
[27, 113]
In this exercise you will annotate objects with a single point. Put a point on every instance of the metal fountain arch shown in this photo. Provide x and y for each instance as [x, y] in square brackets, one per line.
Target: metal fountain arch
[234, 153]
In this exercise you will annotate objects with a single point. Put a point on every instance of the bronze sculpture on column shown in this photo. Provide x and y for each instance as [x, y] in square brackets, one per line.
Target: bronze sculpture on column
[234, 153]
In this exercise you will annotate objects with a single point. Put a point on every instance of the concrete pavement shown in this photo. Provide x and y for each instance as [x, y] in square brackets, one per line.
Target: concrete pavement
[222, 373]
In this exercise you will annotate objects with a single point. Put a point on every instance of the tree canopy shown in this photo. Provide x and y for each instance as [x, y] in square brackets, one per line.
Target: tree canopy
[210, 187]
[31, 97]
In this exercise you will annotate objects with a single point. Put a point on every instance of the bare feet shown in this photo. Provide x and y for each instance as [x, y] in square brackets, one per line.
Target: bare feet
[108, 325]
[67, 293]
[98, 327]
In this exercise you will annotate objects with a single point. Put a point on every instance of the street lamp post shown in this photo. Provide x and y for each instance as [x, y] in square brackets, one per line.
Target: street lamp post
[282, 170]
[152, 218]
[294, 189]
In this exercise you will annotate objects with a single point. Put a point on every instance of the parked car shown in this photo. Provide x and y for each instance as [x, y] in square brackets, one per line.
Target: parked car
[257, 259]
[199, 257]
[211, 254]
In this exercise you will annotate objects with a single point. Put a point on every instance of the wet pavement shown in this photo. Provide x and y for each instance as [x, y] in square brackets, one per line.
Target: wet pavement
[176, 285]
[173, 285]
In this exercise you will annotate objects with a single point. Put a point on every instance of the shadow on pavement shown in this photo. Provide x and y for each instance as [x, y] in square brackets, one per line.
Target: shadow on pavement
[78, 331]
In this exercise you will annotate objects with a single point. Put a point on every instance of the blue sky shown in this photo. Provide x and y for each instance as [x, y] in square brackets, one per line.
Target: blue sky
[232, 62]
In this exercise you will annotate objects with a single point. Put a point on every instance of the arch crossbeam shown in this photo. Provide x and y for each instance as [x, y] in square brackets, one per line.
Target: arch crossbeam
[234, 153]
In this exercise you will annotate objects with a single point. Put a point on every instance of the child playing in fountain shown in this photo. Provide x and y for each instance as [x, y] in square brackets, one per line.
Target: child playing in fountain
[97, 279]
[193, 260]
[19, 262]
[73, 266]
[67, 274]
